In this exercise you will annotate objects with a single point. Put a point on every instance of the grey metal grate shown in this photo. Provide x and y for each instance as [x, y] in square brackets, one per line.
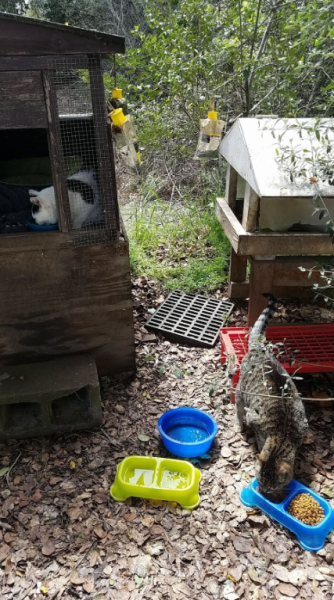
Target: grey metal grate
[190, 318]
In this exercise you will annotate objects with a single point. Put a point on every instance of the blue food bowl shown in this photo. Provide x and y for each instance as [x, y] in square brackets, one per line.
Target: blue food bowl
[187, 432]
[310, 537]
[31, 223]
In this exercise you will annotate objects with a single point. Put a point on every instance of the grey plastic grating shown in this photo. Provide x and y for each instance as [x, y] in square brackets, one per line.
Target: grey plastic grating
[190, 318]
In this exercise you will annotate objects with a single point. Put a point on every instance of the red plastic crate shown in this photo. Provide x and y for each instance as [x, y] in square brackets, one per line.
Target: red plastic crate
[314, 342]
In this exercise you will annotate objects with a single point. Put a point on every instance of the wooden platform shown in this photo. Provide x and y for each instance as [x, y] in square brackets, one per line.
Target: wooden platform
[273, 259]
[291, 244]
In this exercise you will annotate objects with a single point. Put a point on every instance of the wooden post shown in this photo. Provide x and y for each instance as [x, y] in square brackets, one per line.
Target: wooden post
[251, 209]
[231, 187]
[56, 153]
[238, 269]
[105, 161]
[261, 280]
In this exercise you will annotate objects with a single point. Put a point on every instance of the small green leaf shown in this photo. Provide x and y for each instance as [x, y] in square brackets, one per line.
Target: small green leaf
[138, 581]
[3, 471]
[327, 491]
[143, 437]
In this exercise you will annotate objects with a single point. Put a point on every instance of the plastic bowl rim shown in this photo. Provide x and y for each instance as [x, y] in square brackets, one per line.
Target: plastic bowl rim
[35, 226]
[197, 410]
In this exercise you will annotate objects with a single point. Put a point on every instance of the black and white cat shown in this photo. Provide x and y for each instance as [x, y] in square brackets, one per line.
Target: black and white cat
[84, 199]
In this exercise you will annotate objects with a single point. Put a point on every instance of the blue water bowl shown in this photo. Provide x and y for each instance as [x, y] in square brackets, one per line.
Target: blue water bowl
[187, 432]
[31, 223]
[310, 537]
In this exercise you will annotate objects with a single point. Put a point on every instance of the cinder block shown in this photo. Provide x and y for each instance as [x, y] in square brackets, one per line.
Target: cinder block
[51, 397]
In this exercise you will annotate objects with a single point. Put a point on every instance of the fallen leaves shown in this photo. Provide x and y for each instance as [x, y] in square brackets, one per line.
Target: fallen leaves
[148, 521]
[61, 527]
[88, 586]
[55, 480]
[287, 590]
[4, 551]
[143, 437]
[48, 548]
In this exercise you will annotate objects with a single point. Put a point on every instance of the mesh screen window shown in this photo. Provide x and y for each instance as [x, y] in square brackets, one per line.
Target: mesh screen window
[86, 151]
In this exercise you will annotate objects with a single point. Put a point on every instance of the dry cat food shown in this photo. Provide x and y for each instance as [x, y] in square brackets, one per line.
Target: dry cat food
[306, 509]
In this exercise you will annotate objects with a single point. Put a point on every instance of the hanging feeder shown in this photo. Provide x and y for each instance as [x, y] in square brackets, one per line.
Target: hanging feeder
[125, 136]
[210, 134]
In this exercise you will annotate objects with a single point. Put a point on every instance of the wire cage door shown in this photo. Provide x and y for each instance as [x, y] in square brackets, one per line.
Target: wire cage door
[81, 151]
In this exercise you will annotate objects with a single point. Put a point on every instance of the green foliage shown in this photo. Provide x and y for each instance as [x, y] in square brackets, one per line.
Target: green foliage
[180, 245]
[246, 57]
[89, 15]
[12, 6]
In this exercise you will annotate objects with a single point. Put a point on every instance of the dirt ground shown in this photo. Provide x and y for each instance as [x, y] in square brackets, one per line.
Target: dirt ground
[62, 536]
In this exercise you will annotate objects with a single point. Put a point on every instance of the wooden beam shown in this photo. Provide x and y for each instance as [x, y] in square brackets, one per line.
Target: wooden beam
[240, 291]
[238, 267]
[238, 271]
[229, 223]
[56, 153]
[293, 244]
[15, 243]
[231, 186]
[41, 63]
[250, 210]
[104, 157]
[287, 272]
[289, 280]
[260, 281]
[23, 36]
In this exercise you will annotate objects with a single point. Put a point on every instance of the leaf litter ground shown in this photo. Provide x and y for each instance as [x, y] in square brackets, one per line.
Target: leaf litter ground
[62, 536]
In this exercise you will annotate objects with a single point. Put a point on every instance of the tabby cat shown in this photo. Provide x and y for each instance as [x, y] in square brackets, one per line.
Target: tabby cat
[279, 423]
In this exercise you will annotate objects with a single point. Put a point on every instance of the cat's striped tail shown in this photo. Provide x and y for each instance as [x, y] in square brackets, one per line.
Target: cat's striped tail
[259, 328]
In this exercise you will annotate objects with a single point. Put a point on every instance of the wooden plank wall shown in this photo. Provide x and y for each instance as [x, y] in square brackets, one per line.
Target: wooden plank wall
[59, 301]
[22, 103]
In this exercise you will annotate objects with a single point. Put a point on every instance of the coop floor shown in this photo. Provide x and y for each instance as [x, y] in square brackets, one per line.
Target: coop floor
[60, 532]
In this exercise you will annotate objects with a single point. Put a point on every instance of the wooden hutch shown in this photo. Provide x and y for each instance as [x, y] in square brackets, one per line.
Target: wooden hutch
[68, 291]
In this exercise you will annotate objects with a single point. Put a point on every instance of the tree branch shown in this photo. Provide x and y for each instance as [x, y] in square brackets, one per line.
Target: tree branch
[264, 98]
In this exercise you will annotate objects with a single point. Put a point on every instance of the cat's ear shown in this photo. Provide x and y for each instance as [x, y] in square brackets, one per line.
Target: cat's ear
[284, 469]
[33, 193]
[263, 456]
[35, 200]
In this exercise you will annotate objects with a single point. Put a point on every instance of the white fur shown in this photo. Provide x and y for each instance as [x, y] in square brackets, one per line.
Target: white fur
[81, 211]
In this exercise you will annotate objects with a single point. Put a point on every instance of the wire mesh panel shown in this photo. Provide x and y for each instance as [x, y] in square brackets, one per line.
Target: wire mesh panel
[85, 153]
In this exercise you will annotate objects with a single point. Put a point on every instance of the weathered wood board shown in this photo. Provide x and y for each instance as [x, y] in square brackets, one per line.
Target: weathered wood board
[250, 210]
[23, 36]
[22, 103]
[57, 300]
